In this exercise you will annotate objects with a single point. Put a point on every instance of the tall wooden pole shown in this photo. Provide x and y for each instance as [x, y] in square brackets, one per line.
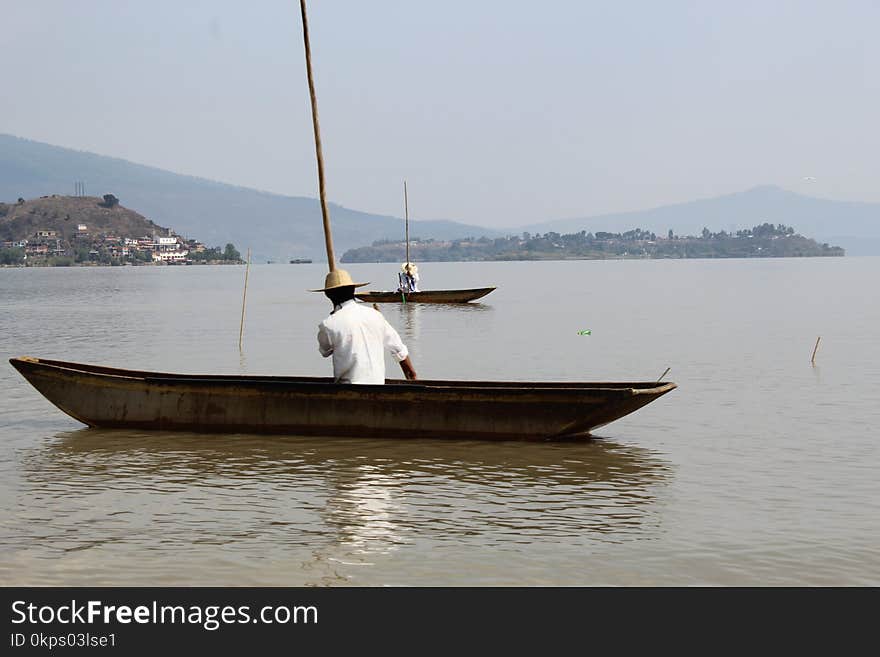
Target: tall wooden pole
[328, 237]
[406, 213]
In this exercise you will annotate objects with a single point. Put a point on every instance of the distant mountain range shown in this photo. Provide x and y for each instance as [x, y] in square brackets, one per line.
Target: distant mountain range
[281, 227]
[273, 226]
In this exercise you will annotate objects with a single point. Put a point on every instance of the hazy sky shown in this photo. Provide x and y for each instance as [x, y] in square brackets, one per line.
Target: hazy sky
[498, 112]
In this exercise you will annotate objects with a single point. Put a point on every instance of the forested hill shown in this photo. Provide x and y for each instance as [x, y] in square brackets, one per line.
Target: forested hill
[852, 225]
[763, 241]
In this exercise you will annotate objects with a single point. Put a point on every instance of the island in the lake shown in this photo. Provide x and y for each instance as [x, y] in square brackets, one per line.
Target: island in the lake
[63, 231]
[763, 241]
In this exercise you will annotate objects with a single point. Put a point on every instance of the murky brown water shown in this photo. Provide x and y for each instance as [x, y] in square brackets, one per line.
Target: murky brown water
[759, 469]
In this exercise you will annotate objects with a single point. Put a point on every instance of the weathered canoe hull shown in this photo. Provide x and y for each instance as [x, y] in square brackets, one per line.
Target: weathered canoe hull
[428, 296]
[116, 398]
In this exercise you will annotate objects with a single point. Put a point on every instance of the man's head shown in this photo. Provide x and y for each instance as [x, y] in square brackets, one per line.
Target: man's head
[340, 295]
[338, 286]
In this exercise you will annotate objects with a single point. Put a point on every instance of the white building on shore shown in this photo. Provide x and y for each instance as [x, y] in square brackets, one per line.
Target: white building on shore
[169, 250]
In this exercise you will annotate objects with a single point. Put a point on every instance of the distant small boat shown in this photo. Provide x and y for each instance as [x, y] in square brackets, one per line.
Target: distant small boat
[428, 296]
[300, 261]
[403, 295]
[118, 398]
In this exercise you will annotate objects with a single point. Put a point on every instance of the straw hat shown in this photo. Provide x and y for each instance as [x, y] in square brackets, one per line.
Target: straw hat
[409, 267]
[338, 278]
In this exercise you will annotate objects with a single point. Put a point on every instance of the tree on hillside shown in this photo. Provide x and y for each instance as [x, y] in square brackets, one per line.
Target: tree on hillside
[231, 253]
[11, 256]
[110, 201]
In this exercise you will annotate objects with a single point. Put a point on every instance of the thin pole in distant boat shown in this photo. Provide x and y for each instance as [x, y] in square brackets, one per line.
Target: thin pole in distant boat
[406, 213]
[406, 223]
[325, 214]
[247, 269]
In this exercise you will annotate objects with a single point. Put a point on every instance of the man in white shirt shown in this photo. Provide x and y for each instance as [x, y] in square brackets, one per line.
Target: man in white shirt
[357, 335]
[408, 278]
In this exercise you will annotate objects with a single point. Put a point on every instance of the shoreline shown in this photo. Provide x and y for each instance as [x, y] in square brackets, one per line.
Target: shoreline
[385, 262]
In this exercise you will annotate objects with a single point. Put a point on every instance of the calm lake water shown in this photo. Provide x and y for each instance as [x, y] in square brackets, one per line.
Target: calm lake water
[759, 470]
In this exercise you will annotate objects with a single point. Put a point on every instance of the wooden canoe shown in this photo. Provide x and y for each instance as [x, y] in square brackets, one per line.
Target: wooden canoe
[118, 398]
[427, 296]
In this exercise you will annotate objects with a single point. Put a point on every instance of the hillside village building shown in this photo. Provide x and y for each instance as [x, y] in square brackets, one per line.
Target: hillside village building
[95, 237]
[46, 243]
[169, 250]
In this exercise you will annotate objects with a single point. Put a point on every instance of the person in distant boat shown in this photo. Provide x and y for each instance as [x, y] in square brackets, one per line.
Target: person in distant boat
[408, 278]
[357, 335]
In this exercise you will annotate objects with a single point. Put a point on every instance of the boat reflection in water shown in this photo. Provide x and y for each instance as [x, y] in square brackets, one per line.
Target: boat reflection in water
[252, 509]
[410, 317]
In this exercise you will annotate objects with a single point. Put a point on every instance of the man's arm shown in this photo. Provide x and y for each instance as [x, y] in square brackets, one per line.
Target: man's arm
[325, 346]
[395, 345]
[408, 370]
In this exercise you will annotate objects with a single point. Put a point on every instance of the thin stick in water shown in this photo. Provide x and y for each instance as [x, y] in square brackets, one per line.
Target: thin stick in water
[247, 269]
[813, 359]
[664, 374]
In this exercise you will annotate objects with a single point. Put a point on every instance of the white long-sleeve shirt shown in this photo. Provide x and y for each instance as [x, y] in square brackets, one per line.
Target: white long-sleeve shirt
[357, 337]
